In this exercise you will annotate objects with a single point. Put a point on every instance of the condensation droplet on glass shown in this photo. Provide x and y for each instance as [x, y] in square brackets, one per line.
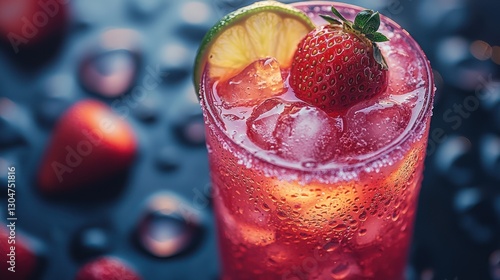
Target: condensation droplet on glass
[404, 227]
[281, 215]
[362, 216]
[395, 215]
[340, 227]
[331, 246]
[265, 207]
[340, 270]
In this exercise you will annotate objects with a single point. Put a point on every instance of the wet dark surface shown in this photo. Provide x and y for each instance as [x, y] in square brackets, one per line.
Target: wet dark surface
[137, 57]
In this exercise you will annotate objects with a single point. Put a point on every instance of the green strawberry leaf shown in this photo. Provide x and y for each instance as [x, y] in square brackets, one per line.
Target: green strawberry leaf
[366, 23]
[377, 37]
[337, 13]
[372, 24]
[379, 57]
[361, 19]
[331, 20]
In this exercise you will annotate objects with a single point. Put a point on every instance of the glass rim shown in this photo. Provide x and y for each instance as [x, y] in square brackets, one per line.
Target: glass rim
[416, 130]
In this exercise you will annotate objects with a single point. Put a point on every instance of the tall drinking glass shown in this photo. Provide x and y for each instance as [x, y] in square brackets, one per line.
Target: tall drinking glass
[350, 218]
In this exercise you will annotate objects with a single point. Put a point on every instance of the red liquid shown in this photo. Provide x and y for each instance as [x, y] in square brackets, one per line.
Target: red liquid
[302, 195]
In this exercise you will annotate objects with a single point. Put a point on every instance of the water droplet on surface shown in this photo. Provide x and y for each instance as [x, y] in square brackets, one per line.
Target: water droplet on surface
[192, 130]
[57, 94]
[10, 116]
[195, 12]
[175, 62]
[5, 163]
[147, 110]
[109, 73]
[490, 154]
[167, 158]
[91, 242]
[452, 160]
[467, 198]
[146, 9]
[169, 228]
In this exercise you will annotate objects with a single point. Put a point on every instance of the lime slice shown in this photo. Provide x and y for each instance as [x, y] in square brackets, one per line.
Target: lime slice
[263, 29]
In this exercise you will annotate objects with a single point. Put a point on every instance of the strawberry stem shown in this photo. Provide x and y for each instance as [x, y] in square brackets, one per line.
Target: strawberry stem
[366, 23]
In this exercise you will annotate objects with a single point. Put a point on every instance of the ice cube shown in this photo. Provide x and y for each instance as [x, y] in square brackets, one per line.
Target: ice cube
[258, 81]
[369, 231]
[371, 128]
[239, 230]
[405, 74]
[295, 131]
[256, 235]
[307, 134]
[263, 121]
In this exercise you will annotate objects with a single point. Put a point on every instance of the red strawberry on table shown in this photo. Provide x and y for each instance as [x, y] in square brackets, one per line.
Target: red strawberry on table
[339, 64]
[106, 268]
[89, 145]
[24, 259]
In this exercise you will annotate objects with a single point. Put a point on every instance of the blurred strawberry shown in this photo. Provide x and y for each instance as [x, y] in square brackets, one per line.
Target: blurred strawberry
[89, 145]
[17, 264]
[28, 22]
[106, 268]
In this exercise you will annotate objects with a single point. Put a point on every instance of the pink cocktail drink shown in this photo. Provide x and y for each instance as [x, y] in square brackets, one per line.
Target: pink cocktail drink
[302, 194]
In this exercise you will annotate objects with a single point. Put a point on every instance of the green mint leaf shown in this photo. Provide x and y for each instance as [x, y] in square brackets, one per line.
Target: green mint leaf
[379, 57]
[331, 20]
[362, 18]
[372, 24]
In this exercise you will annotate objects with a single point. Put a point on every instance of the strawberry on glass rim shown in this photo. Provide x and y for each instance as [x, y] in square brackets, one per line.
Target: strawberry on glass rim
[339, 64]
